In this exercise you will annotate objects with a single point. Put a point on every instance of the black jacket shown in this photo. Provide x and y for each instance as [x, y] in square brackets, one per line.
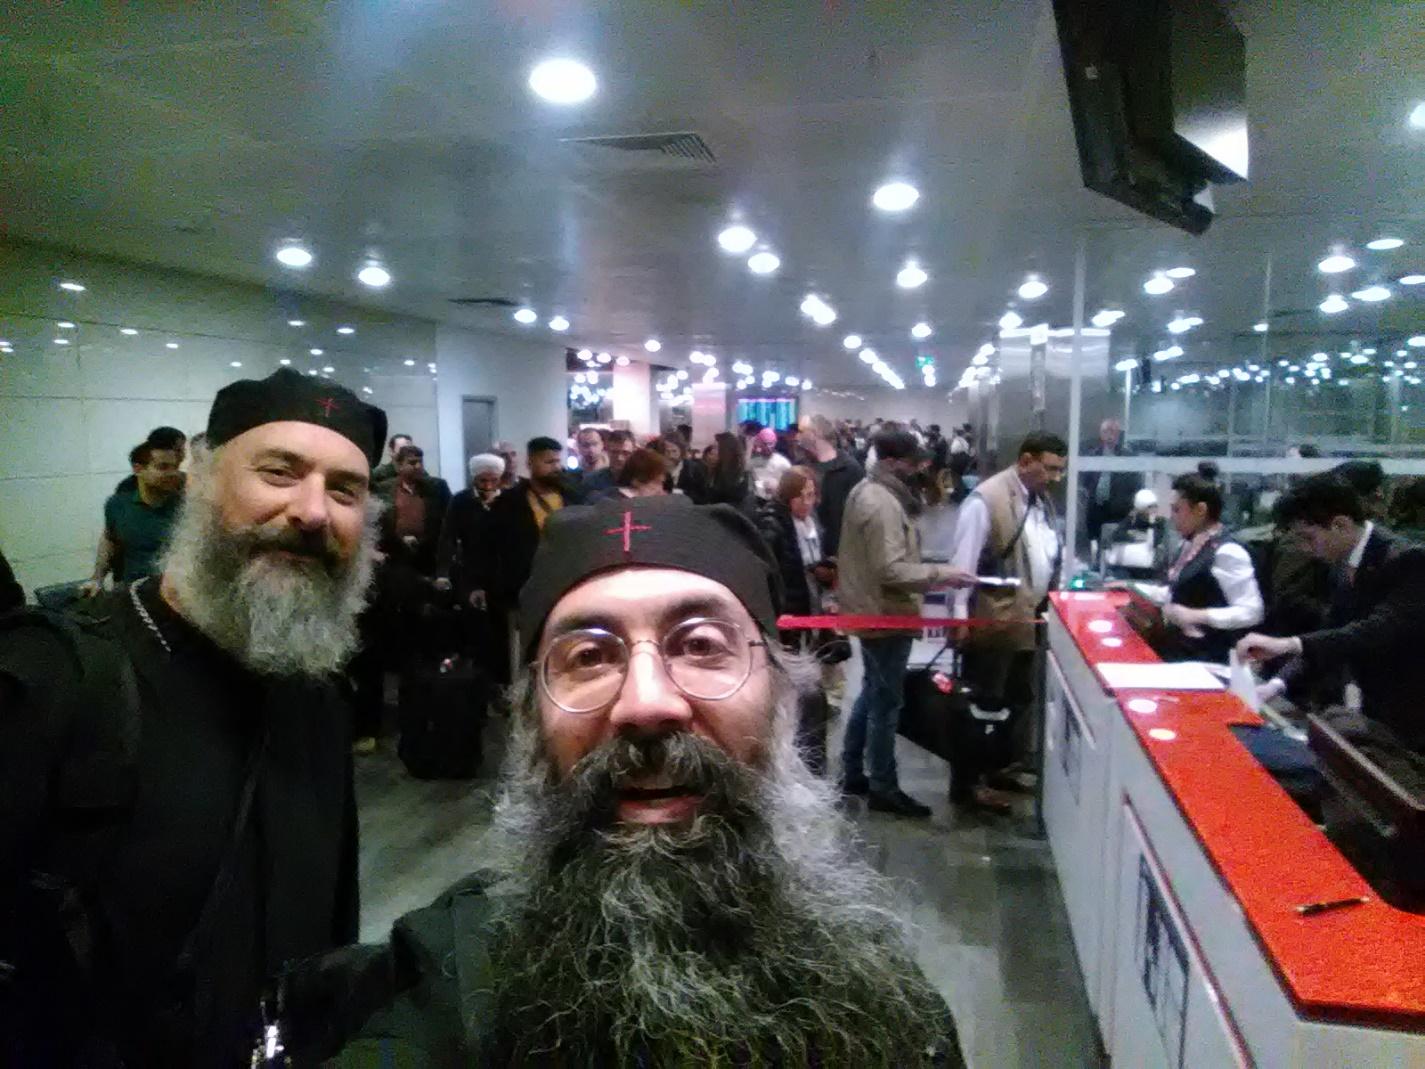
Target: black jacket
[1122, 485]
[835, 479]
[692, 480]
[1373, 632]
[516, 537]
[779, 530]
[468, 547]
[140, 819]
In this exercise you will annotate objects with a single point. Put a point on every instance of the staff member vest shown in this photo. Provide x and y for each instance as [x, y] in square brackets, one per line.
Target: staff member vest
[1006, 508]
[1196, 588]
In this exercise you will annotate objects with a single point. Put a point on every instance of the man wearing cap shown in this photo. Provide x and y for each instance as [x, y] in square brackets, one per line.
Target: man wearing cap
[176, 809]
[670, 885]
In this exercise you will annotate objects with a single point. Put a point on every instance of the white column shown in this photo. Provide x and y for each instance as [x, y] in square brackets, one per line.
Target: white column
[632, 397]
[710, 411]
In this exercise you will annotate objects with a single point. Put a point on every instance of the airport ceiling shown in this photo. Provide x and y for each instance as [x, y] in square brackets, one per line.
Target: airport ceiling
[405, 132]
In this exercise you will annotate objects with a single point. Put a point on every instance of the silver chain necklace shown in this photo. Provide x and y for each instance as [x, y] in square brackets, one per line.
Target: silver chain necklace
[145, 617]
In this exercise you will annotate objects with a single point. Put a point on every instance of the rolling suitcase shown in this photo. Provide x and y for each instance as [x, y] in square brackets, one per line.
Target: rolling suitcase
[442, 719]
[939, 715]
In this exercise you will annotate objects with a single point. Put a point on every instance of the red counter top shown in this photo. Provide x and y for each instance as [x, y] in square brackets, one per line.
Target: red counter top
[1364, 965]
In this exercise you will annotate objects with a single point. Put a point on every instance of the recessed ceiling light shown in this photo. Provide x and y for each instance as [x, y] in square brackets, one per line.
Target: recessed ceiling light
[1372, 294]
[346, 330]
[1411, 280]
[1384, 244]
[1335, 264]
[1033, 288]
[1180, 272]
[763, 263]
[285, 362]
[851, 341]
[737, 239]
[234, 363]
[868, 356]
[622, 361]
[921, 330]
[374, 275]
[296, 322]
[61, 341]
[526, 316]
[911, 276]
[316, 352]
[72, 287]
[1158, 285]
[585, 354]
[409, 362]
[1417, 342]
[1128, 364]
[563, 81]
[653, 345]
[1010, 320]
[793, 380]
[558, 324]
[682, 373]
[65, 324]
[172, 344]
[1260, 328]
[603, 358]
[130, 331]
[1107, 317]
[1333, 304]
[895, 197]
[293, 255]
[1417, 116]
[328, 370]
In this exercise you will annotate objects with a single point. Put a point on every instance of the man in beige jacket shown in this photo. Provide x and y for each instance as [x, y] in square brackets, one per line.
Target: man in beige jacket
[880, 573]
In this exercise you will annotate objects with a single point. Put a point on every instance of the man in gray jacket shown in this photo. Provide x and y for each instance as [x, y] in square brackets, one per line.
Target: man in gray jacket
[880, 573]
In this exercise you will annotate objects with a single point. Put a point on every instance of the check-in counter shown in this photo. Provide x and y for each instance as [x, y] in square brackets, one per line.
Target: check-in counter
[1182, 863]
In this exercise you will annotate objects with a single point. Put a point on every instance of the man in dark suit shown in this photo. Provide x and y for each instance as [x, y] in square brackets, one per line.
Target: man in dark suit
[685, 473]
[1108, 496]
[1377, 613]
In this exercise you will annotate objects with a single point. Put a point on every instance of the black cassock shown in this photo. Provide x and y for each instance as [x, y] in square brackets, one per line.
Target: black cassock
[151, 851]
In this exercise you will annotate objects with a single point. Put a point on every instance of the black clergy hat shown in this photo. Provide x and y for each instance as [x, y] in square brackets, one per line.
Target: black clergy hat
[715, 541]
[287, 395]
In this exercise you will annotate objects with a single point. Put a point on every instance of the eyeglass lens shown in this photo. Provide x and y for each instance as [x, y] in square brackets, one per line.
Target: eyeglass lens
[705, 659]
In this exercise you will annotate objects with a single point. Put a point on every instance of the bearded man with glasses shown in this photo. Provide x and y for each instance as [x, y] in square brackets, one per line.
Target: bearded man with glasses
[673, 886]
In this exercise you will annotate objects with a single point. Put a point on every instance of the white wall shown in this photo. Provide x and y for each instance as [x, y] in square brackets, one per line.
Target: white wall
[914, 402]
[69, 414]
[633, 399]
[526, 378]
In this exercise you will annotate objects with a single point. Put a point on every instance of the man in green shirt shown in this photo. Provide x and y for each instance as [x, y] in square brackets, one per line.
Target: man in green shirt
[137, 521]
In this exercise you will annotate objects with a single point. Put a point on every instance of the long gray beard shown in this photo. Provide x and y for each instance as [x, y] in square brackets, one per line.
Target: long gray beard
[277, 616]
[751, 935]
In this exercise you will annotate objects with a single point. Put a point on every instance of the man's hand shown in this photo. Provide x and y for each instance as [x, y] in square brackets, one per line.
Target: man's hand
[955, 577]
[91, 588]
[442, 584]
[1257, 647]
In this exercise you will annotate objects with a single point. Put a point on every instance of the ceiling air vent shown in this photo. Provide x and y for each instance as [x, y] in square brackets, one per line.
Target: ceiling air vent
[484, 302]
[659, 151]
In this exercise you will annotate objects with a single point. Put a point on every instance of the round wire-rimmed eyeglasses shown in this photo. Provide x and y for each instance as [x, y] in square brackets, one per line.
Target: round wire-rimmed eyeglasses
[707, 659]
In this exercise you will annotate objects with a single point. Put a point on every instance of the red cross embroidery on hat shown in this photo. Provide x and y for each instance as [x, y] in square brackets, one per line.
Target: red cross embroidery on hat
[328, 405]
[627, 529]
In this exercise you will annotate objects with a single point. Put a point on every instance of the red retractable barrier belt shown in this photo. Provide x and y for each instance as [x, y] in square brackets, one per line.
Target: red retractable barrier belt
[855, 622]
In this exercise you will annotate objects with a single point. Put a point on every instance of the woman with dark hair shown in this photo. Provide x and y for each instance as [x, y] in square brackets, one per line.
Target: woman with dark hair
[1213, 598]
[729, 484]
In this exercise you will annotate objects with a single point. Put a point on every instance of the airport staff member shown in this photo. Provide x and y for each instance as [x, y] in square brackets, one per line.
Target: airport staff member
[1377, 614]
[177, 819]
[1212, 586]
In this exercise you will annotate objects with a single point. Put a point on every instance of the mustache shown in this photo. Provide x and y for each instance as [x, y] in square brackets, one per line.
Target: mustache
[317, 546]
[681, 759]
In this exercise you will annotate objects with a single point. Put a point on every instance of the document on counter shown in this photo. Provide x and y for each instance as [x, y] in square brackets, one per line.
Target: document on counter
[1188, 675]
